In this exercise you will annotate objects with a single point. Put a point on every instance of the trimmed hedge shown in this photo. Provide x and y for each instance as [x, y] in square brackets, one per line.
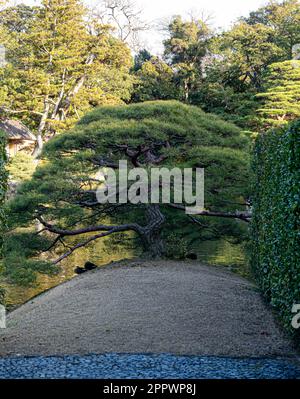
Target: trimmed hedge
[3, 184]
[275, 228]
[3, 187]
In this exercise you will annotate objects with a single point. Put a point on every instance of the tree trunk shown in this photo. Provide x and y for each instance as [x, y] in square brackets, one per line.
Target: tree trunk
[150, 235]
[65, 105]
[39, 138]
[186, 91]
[38, 145]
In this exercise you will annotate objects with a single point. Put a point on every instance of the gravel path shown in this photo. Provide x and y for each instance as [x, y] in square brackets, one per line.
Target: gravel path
[114, 366]
[147, 307]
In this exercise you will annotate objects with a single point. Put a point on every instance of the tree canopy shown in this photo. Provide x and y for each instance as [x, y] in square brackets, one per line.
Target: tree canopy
[155, 81]
[59, 65]
[185, 50]
[283, 18]
[222, 72]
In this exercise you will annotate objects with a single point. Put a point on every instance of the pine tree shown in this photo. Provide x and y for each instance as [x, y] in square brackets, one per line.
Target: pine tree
[281, 98]
[62, 193]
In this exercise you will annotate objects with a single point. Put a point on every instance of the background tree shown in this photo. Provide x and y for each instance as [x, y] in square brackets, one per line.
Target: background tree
[284, 20]
[185, 50]
[281, 98]
[62, 197]
[178, 75]
[221, 93]
[248, 49]
[60, 65]
[267, 36]
[240, 57]
[126, 17]
[233, 72]
[222, 73]
[140, 58]
[155, 80]
[19, 18]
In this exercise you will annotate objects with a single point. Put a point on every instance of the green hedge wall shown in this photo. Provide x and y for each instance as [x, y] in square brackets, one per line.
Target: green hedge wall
[275, 228]
[3, 187]
[3, 184]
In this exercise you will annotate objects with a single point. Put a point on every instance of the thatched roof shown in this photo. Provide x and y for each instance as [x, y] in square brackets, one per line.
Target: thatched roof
[15, 130]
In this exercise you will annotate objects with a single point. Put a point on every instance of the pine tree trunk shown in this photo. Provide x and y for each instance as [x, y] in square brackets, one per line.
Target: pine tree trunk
[151, 234]
[38, 146]
[39, 138]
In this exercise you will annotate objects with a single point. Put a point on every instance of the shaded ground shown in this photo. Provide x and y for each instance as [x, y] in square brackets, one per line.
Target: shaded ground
[146, 366]
[147, 307]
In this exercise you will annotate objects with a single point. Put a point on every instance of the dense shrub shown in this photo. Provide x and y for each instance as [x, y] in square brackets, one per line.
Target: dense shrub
[176, 247]
[275, 228]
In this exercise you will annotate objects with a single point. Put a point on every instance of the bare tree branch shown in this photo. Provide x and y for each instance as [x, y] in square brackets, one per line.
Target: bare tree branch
[22, 111]
[125, 16]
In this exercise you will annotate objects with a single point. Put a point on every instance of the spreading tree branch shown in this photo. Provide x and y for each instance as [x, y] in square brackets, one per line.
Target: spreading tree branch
[245, 216]
[106, 230]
